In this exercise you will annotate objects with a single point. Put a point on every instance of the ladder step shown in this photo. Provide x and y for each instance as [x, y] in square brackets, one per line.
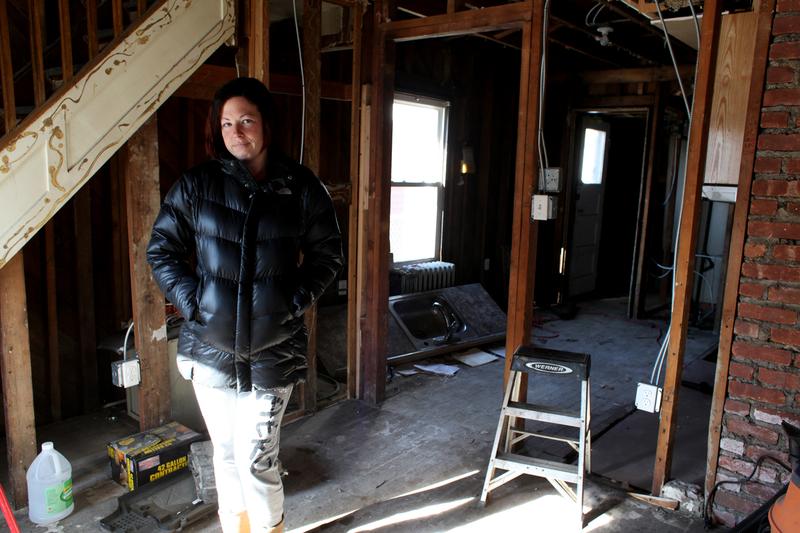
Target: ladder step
[537, 467]
[525, 434]
[543, 414]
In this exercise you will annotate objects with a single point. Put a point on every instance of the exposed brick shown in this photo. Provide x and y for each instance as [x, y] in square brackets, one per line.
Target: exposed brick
[783, 96]
[752, 290]
[785, 295]
[793, 166]
[763, 207]
[788, 5]
[774, 119]
[753, 451]
[760, 491]
[774, 416]
[768, 314]
[785, 336]
[738, 466]
[736, 407]
[767, 165]
[778, 142]
[770, 187]
[774, 230]
[779, 378]
[780, 75]
[733, 446]
[787, 50]
[740, 427]
[746, 329]
[754, 392]
[746, 350]
[792, 209]
[787, 24]
[725, 518]
[735, 502]
[771, 272]
[738, 370]
[786, 252]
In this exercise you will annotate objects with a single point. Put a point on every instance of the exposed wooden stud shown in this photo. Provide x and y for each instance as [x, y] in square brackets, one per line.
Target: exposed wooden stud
[461, 23]
[66, 40]
[91, 27]
[15, 362]
[454, 5]
[116, 16]
[353, 249]
[143, 195]
[258, 52]
[524, 231]
[7, 71]
[53, 354]
[311, 33]
[635, 75]
[685, 258]
[372, 371]
[736, 247]
[84, 283]
[638, 282]
[141, 7]
[36, 26]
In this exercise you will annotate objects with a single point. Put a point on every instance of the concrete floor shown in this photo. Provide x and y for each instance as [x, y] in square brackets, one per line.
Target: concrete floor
[417, 462]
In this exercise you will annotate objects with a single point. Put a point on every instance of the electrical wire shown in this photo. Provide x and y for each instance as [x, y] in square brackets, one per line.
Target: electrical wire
[302, 82]
[597, 7]
[674, 61]
[125, 342]
[543, 161]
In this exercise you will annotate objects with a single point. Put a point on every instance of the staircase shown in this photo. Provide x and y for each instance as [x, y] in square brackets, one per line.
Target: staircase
[60, 145]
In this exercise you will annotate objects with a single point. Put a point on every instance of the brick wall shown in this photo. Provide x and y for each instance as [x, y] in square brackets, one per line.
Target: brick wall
[764, 376]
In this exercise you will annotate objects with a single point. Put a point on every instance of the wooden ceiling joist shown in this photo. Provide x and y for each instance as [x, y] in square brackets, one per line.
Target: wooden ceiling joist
[635, 75]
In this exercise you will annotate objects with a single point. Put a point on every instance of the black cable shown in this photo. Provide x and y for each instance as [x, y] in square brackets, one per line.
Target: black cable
[710, 500]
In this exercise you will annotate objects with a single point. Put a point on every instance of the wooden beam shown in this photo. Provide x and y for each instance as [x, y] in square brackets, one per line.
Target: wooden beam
[36, 26]
[312, 65]
[353, 254]
[638, 281]
[116, 16]
[524, 231]
[635, 75]
[454, 5]
[208, 78]
[142, 190]
[731, 293]
[687, 237]
[376, 283]
[460, 23]
[65, 31]
[15, 360]
[258, 51]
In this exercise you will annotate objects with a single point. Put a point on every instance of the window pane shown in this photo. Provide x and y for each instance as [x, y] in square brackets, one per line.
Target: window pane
[418, 142]
[594, 151]
[412, 232]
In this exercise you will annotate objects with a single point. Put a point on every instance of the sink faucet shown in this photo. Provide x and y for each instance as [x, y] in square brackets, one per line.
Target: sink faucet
[450, 320]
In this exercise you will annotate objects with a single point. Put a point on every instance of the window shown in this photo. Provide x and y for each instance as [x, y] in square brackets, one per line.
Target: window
[594, 151]
[419, 149]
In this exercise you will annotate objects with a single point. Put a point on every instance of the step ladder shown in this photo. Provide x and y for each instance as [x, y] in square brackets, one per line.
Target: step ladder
[568, 369]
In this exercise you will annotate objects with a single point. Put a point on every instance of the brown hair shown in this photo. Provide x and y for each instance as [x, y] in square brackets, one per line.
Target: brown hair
[249, 88]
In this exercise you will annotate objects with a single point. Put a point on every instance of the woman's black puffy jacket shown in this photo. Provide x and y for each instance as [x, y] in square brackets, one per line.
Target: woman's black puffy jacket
[243, 303]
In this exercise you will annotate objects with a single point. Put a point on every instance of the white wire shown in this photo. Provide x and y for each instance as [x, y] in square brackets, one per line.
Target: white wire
[543, 161]
[125, 343]
[674, 62]
[589, 13]
[302, 82]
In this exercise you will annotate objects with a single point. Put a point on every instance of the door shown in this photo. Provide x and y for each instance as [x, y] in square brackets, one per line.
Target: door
[592, 139]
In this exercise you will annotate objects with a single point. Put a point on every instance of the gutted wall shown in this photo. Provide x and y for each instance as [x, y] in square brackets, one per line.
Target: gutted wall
[764, 377]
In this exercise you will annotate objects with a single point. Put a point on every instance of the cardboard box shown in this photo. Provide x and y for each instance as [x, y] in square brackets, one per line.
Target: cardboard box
[151, 455]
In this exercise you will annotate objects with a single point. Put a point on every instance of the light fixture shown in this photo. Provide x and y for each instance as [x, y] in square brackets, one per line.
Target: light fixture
[604, 31]
[467, 160]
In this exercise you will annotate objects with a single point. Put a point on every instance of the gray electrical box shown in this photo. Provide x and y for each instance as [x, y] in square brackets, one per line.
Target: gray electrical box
[550, 180]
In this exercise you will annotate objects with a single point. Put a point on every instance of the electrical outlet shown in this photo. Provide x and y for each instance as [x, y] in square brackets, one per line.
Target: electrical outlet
[126, 373]
[543, 207]
[648, 397]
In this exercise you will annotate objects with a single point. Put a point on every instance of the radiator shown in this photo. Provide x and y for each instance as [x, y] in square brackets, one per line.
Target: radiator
[428, 276]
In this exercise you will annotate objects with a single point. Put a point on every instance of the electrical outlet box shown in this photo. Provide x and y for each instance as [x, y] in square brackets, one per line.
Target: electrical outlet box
[648, 397]
[550, 181]
[543, 207]
[126, 373]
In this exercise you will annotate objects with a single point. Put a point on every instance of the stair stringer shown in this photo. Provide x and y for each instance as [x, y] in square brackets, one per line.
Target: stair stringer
[51, 155]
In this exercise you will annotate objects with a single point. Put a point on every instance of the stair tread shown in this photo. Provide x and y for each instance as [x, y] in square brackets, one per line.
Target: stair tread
[550, 414]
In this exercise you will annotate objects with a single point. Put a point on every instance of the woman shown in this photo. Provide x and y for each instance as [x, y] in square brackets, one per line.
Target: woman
[247, 215]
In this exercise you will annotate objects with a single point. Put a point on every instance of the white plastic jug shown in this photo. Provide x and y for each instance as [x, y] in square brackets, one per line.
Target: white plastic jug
[49, 486]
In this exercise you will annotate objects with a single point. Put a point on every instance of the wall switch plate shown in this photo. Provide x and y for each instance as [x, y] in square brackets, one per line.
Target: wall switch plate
[126, 373]
[648, 397]
[543, 207]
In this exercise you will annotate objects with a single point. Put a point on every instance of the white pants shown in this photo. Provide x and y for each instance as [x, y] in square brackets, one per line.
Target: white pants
[245, 432]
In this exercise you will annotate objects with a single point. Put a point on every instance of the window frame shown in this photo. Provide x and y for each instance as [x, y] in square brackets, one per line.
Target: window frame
[440, 186]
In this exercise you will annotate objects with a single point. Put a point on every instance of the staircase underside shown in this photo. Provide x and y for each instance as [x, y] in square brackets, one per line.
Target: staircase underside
[55, 151]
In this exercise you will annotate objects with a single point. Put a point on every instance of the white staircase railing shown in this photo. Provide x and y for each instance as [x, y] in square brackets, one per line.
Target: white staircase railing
[57, 149]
